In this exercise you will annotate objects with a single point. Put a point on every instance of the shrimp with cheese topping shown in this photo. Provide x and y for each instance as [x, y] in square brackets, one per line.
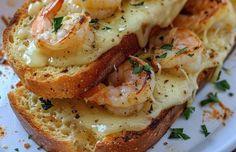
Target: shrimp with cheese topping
[55, 35]
[177, 51]
[127, 88]
[100, 9]
[198, 15]
[212, 20]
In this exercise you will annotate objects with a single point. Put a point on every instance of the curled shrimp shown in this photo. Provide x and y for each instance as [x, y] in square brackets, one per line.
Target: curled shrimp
[100, 9]
[126, 90]
[72, 33]
[177, 51]
[197, 14]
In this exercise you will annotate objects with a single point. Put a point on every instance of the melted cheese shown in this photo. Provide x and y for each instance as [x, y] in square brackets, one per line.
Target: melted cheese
[170, 90]
[130, 20]
[169, 93]
[219, 37]
[99, 119]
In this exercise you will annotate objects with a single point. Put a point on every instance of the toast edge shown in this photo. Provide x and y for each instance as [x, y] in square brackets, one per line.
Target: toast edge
[123, 141]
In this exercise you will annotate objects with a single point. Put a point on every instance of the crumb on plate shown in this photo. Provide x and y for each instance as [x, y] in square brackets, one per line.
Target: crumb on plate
[26, 145]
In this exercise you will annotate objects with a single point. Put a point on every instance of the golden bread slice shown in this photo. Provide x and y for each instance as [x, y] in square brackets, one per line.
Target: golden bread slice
[74, 125]
[115, 39]
[60, 128]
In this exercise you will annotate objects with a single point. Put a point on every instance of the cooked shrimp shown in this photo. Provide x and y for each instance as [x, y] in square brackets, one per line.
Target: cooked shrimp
[71, 31]
[178, 51]
[100, 9]
[197, 13]
[129, 87]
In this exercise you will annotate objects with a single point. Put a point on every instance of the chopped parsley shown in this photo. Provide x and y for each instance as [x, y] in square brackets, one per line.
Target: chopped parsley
[204, 130]
[137, 4]
[138, 69]
[29, 136]
[106, 28]
[94, 23]
[219, 75]
[164, 55]
[188, 111]
[190, 55]
[182, 50]
[17, 149]
[167, 47]
[57, 23]
[147, 68]
[46, 104]
[178, 133]
[212, 98]
[222, 85]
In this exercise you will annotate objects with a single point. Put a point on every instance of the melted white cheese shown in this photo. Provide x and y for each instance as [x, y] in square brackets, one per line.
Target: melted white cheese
[170, 90]
[130, 20]
[169, 93]
[99, 119]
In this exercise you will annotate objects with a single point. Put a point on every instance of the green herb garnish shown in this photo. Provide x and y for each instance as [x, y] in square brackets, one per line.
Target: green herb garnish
[106, 28]
[190, 55]
[147, 68]
[204, 130]
[17, 149]
[138, 69]
[222, 85]
[93, 22]
[178, 133]
[212, 98]
[57, 23]
[188, 111]
[29, 136]
[182, 50]
[164, 55]
[219, 75]
[46, 104]
[167, 47]
[138, 4]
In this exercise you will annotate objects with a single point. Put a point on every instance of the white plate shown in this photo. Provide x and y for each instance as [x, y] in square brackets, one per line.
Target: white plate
[221, 139]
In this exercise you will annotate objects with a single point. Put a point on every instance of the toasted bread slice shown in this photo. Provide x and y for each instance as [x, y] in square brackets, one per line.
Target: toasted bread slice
[57, 129]
[70, 81]
[76, 126]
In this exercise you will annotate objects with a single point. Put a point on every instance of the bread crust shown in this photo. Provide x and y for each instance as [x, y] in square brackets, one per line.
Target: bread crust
[65, 85]
[125, 141]
[41, 137]
[141, 141]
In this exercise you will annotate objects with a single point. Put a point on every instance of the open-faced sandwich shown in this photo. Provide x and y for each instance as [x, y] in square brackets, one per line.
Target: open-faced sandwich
[61, 48]
[118, 105]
